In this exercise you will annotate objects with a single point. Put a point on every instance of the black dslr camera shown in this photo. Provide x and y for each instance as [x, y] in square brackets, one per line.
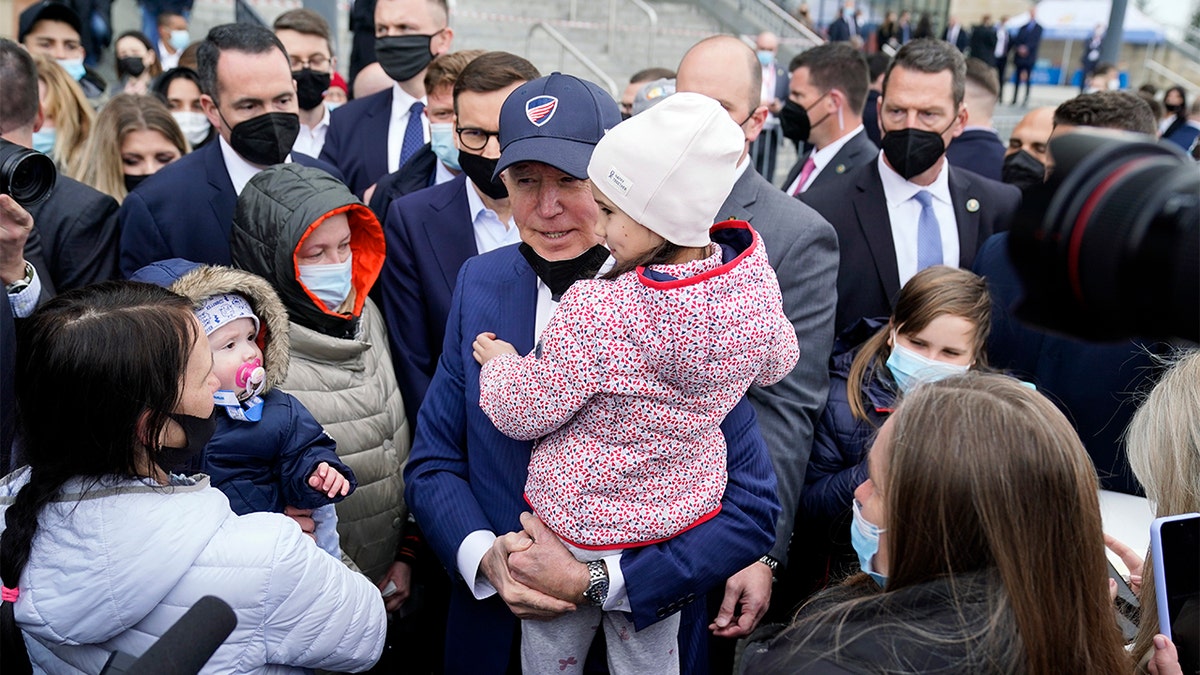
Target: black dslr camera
[26, 175]
[1109, 247]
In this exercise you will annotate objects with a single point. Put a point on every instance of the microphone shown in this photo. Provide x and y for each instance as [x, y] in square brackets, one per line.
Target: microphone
[185, 647]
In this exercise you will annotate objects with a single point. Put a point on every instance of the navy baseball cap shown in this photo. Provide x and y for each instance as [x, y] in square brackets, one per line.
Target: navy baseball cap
[556, 120]
[48, 10]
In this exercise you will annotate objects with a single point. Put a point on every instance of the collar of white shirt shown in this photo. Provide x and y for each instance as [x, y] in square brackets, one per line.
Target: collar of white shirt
[825, 155]
[897, 190]
[398, 124]
[490, 232]
[240, 171]
[323, 124]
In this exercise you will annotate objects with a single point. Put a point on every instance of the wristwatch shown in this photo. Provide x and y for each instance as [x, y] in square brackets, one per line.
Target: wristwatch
[770, 562]
[597, 590]
[22, 283]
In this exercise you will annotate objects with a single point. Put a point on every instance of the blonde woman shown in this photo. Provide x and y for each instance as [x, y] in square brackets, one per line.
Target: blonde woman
[68, 115]
[135, 136]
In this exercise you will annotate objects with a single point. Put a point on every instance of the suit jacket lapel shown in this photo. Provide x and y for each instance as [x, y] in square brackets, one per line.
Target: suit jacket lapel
[741, 198]
[966, 215]
[451, 232]
[223, 198]
[518, 305]
[870, 208]
[374, 136]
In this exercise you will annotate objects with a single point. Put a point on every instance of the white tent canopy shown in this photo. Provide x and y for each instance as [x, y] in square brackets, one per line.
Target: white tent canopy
[1076, 19]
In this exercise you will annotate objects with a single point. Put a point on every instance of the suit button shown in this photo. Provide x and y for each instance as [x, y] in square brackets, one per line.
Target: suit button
[661, 613]
[691, 597]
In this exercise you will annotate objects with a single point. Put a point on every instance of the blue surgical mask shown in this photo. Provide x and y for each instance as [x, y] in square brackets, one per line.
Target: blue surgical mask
[74, 68]
[43, 141]
[332, 105]
[765, 57]
[910, 368]
[441, 139]
[180, 39]
[864, 537]
[330, 283]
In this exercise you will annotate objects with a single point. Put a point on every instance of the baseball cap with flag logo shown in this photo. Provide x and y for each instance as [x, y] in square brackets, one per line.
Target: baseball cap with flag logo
[556, 120]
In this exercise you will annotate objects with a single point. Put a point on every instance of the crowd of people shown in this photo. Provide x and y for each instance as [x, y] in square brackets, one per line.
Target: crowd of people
[465, 367]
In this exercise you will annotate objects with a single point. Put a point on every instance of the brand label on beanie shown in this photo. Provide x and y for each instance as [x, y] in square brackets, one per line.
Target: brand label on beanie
[618, 181]
[540, 109]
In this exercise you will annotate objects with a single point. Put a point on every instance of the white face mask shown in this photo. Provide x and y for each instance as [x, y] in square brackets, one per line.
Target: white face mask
[330, 283]
[194, 125]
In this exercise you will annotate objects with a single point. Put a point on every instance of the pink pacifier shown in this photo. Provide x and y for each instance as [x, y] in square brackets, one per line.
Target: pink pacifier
[252, 377]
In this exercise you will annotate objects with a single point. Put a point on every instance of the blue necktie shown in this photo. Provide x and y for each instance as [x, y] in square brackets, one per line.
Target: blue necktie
[929, 235]
[414, 133]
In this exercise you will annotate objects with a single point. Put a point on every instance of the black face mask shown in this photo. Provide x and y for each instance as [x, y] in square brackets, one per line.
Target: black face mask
[480, 169]
[131, 65]
[794, 122]
[911, 152]
[1173, 107]
[558, 275]
[267, 139]
[310, 87]
[134, 181]
[199, 431]
[403, 57]
[1023, 170]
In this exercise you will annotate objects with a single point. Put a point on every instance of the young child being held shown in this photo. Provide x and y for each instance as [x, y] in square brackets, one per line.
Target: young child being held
[267, 451]
[632, 377]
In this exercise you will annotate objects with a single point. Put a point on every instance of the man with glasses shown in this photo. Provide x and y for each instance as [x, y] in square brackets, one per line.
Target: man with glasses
[374, 136]
[305, 36]
[431, 232]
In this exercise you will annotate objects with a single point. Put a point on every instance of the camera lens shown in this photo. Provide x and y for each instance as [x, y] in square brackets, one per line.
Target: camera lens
[25, 175]
[1108, 246]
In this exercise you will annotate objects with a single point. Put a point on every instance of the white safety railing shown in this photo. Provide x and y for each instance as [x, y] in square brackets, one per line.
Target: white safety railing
[567, 47]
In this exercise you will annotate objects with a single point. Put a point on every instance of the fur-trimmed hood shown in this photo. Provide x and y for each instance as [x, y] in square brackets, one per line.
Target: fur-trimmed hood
[197, 282]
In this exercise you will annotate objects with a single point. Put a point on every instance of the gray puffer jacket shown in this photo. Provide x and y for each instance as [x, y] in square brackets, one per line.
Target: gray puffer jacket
[341, 369]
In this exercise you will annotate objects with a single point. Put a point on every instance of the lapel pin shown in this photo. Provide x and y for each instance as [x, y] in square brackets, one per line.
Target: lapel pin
[972, 205]
[841, 168]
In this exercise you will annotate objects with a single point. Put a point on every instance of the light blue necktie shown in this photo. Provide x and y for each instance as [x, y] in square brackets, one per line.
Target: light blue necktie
[929, 235]
[414, 133]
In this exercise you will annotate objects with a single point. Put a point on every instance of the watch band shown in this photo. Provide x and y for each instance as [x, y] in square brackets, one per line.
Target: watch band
[770, 562]
[22, 283]
[597, 590]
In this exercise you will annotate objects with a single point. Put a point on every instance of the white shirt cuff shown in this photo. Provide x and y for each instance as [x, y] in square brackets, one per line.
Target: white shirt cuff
[618, 596]
[470, 554]
[26, 301]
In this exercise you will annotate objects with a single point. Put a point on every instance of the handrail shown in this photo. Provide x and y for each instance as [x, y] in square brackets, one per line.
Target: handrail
[612, 26]
[1154, 66]
[786, 20]
[574, 51]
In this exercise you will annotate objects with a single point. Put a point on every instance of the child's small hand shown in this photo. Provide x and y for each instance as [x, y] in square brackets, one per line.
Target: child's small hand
[486, 347]
[329, 480]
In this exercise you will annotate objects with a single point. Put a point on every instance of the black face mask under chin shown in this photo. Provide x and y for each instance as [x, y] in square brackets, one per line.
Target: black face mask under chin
[199, 431]
[480, 170]
[558, 275]
[912, 152]
[265, 140]
[403, 57]
[1023, 170]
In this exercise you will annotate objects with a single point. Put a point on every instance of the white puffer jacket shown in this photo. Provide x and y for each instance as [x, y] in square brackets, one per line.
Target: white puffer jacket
[114, 566]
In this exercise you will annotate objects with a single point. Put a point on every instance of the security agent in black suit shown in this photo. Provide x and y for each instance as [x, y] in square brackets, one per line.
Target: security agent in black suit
[824, 110]
[983, 41]
[877, 64]
[76, 225]
[877, 210]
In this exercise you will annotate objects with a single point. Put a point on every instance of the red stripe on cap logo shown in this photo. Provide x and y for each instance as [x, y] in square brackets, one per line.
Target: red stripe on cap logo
[540, 109]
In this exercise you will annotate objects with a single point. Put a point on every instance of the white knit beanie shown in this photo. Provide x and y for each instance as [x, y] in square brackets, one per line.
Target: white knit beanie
[671, 167]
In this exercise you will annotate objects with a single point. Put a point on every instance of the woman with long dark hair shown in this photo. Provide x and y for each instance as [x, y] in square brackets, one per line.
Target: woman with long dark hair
[104, 548]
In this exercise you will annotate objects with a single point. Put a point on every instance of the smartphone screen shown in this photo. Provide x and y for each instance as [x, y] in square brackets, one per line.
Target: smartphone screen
[1176, 551]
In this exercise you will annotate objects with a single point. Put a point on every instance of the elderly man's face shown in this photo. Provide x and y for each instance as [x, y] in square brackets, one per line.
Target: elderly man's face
[554, 211]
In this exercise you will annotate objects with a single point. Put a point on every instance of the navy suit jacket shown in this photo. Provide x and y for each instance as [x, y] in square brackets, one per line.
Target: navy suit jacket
[356, 142]
[868, 275]
[1029, 36]
[464, 475]
[429, 236]
[185, 211]
[857, 151]
[839, 30]
[978, 150]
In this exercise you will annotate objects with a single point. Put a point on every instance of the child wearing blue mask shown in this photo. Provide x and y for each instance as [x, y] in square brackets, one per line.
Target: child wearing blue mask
[939, 328]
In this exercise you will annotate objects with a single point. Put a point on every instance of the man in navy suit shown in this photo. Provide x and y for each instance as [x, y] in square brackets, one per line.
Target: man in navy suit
[431, 233]
[375, 135]
[956, 34]
[464, 479]
[774, 93]
[909, 209]
[1025, 50]
[830, 83]
[979, 148]
[186, 209]
[839, 29]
